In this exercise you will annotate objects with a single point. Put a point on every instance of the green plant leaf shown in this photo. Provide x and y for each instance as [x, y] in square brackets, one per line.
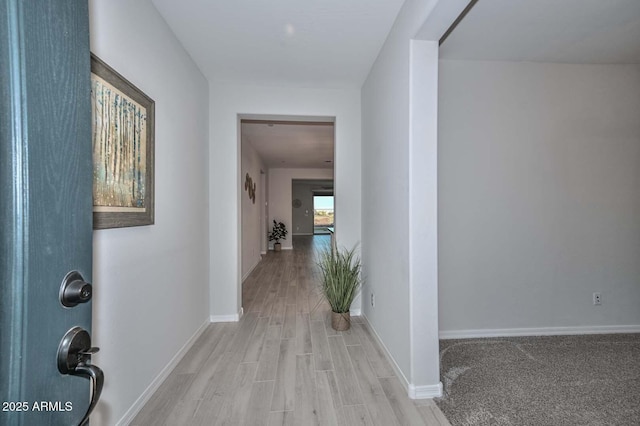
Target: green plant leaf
[340, 270]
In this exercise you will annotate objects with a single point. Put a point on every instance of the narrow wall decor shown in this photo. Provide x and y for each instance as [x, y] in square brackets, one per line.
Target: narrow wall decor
[250, 187]
[123, 120]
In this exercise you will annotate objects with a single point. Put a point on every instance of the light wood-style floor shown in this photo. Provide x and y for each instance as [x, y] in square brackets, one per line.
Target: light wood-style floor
[283, 364]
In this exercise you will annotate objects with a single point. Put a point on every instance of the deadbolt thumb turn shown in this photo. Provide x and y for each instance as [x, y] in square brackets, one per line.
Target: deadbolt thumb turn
[74, 358]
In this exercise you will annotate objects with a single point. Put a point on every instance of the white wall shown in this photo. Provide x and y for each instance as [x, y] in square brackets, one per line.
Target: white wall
[539, 176]
[227, 101]
[423, 220]
[151, 283]
[280, 198]
[399, 143]
[302, 217]
[251, 211]
[264, 242]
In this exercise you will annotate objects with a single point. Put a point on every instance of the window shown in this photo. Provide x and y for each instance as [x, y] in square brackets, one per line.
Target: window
[322, 213]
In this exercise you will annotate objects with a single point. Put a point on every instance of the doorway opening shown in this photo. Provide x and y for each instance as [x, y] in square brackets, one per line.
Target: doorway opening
[283, 161]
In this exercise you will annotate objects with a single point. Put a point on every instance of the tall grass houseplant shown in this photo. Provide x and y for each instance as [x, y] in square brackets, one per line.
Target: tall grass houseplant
[340, 271]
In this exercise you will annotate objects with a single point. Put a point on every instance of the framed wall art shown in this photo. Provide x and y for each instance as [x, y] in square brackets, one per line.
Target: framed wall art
[123, 120]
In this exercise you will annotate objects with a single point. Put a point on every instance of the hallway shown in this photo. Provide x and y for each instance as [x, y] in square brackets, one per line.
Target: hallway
[283, 364]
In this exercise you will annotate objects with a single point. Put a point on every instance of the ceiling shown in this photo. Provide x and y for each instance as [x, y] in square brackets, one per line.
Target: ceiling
[333, 43]
[310, 43]
[288, 144]
[563, 31]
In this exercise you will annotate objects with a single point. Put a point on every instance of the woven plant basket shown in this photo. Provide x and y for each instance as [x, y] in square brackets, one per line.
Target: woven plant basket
[340, 321]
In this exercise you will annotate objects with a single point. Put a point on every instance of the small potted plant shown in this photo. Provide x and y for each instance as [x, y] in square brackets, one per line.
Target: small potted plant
[340, 270]
[279, 232]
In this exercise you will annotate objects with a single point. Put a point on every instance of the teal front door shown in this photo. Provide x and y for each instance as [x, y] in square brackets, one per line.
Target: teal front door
[45, 213]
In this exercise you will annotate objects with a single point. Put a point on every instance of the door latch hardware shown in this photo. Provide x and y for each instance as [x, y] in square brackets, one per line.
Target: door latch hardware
[74, 358]
[74, 290]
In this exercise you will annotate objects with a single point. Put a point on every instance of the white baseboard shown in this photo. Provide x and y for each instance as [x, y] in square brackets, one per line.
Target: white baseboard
[542, 331]
[227, 318]
[263, 252]
[413, 391]
[133, 411]
[425, 392]
[356, 312]
[283, 248]
[251, 269]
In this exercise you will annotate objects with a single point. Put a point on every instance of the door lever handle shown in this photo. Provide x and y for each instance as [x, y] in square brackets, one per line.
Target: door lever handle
[95, 374]
[74, 358]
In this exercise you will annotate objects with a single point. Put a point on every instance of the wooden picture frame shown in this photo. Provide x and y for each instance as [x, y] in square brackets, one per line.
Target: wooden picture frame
[123, 138]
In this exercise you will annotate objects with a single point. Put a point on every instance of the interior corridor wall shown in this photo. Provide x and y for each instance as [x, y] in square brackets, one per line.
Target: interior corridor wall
[151, 282]
[252, 228]
[398, 148]
[302, 216]
[539, 171]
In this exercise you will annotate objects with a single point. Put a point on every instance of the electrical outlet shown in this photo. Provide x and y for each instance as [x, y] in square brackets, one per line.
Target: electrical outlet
[373, 300]
[597, 298]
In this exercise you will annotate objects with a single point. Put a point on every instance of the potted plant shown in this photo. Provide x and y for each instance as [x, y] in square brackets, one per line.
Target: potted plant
[340, 270]
[279, 232]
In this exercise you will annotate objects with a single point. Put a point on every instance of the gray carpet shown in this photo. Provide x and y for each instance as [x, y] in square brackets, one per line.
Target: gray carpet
[559, 380]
